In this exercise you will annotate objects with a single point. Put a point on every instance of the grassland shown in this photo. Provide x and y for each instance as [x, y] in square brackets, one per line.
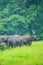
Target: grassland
[25, 55]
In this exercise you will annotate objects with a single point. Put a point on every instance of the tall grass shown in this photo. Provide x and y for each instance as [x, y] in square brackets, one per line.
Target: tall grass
[25, 55]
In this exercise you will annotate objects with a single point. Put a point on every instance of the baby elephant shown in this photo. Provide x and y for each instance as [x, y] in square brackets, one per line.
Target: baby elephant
[2, 40]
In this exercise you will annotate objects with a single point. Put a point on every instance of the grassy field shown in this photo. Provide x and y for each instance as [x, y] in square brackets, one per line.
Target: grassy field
[25, 55]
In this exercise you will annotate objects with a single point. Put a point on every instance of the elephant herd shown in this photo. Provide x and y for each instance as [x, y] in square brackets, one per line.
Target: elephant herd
[17, 40]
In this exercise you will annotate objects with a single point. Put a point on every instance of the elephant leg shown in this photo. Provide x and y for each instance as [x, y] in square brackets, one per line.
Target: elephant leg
[21, 43]
[29, 43]
[14, 45]
[8, 42]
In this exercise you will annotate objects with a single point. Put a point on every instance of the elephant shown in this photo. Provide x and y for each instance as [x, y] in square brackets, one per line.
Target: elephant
[14, 40]
[1, 40]
[27, 40]
[18, 40]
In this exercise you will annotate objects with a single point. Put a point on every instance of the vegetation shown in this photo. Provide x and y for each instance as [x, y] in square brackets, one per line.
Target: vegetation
[25, 55]
[21, 17]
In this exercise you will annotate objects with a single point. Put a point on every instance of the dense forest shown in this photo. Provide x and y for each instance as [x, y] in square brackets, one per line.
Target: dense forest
[21, 17]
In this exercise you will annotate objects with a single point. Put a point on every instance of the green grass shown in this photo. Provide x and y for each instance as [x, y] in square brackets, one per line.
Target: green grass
[25, 55]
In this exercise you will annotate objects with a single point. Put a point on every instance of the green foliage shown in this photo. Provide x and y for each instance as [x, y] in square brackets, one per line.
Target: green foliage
[3, 47]
[21, 17]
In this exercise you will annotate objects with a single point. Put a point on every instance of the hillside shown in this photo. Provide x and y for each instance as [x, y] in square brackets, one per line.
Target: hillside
[21, 17]
[26, 55]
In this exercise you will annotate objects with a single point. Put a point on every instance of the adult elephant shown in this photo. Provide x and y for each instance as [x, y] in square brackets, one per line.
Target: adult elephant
[27, 40]
[14, 40]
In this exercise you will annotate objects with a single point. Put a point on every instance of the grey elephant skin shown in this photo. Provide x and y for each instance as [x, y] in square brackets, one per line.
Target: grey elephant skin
[15, 40]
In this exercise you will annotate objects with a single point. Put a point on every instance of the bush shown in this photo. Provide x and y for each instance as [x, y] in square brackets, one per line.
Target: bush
[3, 47]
